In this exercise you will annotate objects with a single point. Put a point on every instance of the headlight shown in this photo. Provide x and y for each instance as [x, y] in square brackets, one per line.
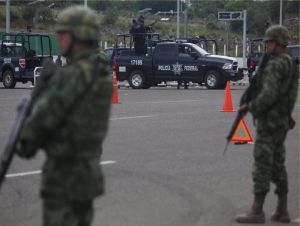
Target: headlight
[227, 66]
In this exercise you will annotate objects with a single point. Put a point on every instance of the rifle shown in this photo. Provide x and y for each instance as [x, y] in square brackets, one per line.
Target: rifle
[245, 99]
[23, 111]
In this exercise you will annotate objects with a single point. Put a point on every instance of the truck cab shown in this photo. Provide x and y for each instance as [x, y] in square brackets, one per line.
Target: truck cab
[19, 58]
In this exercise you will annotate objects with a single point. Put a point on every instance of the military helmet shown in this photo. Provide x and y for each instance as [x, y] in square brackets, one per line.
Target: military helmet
[82, 22]
[278, 33]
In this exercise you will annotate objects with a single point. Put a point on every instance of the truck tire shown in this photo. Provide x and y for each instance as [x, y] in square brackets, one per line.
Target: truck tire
[137, 80]
[8, 79]
[213, 79]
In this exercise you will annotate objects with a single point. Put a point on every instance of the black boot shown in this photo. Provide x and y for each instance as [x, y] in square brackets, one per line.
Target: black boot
[281, 214]
[256, 214]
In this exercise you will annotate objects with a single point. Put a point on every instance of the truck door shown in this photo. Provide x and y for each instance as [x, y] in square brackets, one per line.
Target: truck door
[1, 57]
[164, 59]
[190, 63]
[6, 56]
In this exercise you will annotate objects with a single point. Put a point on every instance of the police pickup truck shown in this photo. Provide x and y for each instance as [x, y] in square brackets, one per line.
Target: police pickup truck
[173, 61]
[18, 58]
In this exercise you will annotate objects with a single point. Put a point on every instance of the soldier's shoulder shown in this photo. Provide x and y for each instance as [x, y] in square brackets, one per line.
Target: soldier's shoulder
[284, 58]
[71, 73]
[281, 62]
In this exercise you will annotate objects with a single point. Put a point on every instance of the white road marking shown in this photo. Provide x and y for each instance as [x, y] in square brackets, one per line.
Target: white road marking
[170, 101]
[107, 162]
[23, 174]
[133, 117]
[11, 98]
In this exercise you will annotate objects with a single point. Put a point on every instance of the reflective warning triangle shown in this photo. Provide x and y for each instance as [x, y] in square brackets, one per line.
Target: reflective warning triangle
[242, 127]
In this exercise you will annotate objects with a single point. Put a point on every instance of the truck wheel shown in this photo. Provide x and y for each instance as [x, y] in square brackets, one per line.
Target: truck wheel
[8, 79]
[212, 79]
[137, 80]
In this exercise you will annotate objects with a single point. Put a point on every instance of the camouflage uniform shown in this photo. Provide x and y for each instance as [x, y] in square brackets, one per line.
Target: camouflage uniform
[271, 106]
[273, 97]
[272, 103]
[69, 121]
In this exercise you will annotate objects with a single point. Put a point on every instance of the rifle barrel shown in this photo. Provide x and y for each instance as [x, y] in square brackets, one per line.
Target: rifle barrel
[226, 147]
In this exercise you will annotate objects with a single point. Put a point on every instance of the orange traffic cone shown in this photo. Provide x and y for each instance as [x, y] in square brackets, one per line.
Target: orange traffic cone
[115, 96]
[227, 100]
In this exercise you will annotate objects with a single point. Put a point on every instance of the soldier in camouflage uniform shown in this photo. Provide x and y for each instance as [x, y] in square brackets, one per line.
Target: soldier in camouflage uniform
[69, 121]
[271, 105]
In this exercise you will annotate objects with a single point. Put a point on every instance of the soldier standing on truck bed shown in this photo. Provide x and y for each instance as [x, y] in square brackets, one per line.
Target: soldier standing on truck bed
[138, 35]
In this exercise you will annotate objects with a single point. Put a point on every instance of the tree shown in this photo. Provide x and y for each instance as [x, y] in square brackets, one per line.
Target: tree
[239, 5]
[211, 22]
[15, 13]
[28, 13]
[257, 18]
[155, 5]
[202, 9]
[111, 17]
[292, 7]
[45, 15]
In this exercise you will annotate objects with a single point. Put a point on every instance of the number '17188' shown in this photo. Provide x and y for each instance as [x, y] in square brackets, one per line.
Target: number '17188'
[136, 62]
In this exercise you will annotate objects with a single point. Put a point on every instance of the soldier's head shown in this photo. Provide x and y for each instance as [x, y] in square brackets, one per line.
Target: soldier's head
[276, 39]
[77, 28]
[141, 20]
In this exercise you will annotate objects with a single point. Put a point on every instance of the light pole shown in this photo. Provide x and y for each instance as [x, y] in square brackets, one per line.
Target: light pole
[244, 39]
[7, 16]
[280, 13]
[227, 37]
[85, 4]
[187, 5]
[178, 15]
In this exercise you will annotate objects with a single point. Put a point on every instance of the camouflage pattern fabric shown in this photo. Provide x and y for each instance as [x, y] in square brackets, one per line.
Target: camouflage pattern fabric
[269, 159]
[70, 122]
[278, 33]
[83, 23]
[62, 213]
[272, 102]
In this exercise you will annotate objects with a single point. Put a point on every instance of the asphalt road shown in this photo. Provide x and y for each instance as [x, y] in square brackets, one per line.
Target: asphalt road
[162, 160]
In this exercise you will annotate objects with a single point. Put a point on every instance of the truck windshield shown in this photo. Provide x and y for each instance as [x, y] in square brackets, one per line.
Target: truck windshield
[12, 50]
[201, 51]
